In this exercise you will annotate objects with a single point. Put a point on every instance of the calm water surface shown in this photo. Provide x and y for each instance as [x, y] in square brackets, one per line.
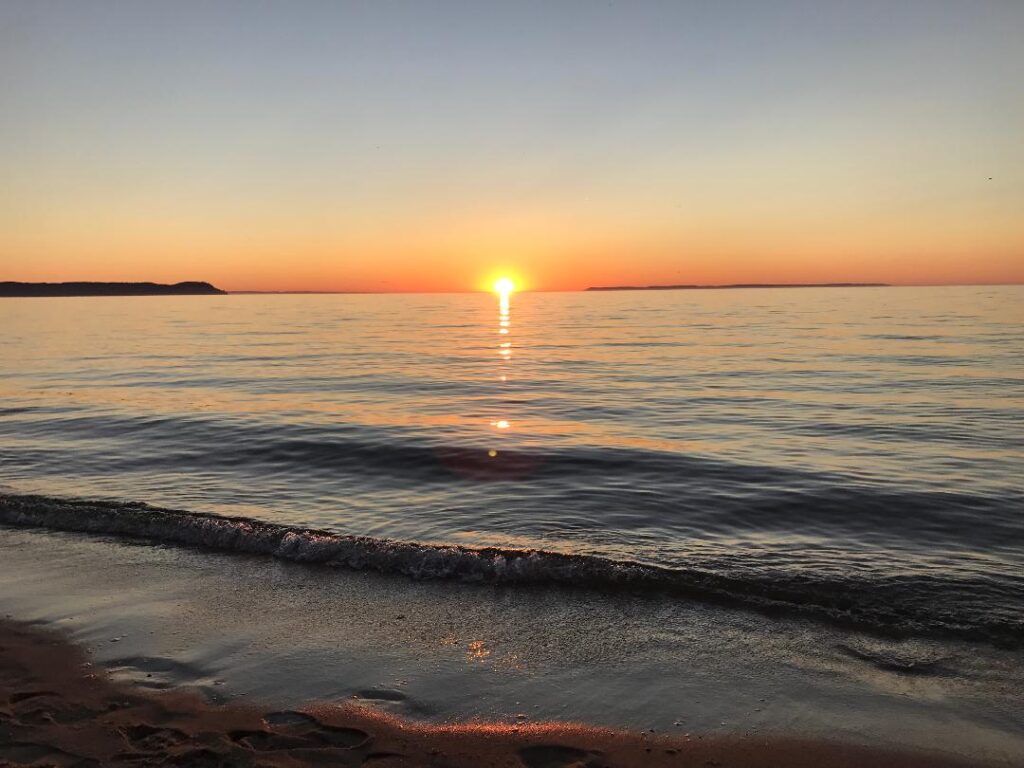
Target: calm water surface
[857, 452]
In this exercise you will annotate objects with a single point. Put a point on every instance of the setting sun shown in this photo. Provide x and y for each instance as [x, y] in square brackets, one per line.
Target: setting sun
[504, 285]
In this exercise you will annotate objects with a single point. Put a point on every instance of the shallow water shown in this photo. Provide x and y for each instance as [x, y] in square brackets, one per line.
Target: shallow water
[850, 453]
[279, 635]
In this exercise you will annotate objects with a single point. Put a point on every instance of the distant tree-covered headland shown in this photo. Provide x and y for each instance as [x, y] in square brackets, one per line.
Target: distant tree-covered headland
[188, 288]
[732, 285]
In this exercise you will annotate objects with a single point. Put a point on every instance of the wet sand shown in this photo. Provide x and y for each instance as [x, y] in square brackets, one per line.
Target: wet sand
[58, 709]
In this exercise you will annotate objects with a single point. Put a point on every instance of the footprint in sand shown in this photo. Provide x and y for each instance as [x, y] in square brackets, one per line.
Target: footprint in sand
[557, 756]
[203, 758]
[384, 760]
[300, 724]
[295, 730]
[391, 700]
[25, 752]
[267, 741]
[345, 738]
[147, 738]
[16, 698]
[289, 719]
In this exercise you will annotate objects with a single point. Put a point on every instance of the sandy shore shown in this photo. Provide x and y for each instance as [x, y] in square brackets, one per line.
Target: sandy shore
[57, 709]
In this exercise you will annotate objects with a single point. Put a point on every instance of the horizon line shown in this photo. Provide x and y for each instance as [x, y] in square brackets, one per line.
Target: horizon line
[588, 289]
[604, 289]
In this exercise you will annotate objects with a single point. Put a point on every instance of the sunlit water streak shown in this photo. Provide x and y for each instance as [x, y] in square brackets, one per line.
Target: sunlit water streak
[864, 443]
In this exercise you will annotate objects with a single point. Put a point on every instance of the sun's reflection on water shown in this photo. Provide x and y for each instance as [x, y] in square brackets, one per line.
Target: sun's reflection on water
[504, 290]
[505, 324]
[505, 342]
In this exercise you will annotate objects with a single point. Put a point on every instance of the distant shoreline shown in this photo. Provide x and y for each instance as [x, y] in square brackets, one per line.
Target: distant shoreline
[196, 288]
[732, 286]
[187, 288]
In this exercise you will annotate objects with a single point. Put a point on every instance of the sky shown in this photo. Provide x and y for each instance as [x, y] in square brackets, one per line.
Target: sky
[431, 145]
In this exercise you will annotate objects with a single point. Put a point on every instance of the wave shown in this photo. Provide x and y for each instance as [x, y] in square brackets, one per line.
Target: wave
[869, 605]
[686, 492]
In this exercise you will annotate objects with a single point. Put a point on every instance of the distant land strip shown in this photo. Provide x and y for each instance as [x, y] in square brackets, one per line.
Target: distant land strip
[732, 285]
[189, 288]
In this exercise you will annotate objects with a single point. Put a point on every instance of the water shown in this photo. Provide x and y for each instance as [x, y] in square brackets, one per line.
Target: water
[855, 455]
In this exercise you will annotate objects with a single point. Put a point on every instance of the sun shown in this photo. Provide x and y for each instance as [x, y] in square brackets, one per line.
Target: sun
[504, 286]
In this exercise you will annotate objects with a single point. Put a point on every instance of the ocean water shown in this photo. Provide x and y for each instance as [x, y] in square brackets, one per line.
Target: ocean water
[855, 456]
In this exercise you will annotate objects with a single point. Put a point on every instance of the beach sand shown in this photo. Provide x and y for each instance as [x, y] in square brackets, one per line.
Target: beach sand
[57, 708]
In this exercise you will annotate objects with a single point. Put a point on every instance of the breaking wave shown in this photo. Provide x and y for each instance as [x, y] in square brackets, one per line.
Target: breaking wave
[893, 606]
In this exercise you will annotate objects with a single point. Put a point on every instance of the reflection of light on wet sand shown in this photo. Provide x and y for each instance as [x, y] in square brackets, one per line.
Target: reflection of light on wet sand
[510, 662]
[478, 651]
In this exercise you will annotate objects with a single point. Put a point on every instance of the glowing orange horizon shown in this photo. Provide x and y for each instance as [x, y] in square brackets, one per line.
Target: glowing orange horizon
[536, 270]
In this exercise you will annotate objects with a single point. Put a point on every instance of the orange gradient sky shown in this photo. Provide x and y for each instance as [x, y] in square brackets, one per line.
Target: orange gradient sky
[401, 147]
